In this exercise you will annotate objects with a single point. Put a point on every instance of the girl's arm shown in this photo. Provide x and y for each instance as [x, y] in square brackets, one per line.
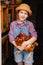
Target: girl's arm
[30, 41]
[33, 34]
[11, 36]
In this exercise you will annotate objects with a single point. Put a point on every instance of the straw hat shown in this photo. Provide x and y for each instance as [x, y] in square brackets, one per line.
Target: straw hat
[25, 7]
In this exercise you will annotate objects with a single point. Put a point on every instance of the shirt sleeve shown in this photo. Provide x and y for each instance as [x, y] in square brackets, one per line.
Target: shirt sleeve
[32, 30]
[10, 34]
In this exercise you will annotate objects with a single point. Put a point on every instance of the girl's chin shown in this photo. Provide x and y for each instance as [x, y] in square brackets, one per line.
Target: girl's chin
[22, 19]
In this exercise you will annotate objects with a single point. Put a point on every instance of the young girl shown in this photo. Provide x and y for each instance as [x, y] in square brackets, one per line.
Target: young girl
[25, 26]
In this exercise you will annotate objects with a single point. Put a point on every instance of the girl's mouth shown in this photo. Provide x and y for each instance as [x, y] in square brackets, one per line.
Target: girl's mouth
[22, 17]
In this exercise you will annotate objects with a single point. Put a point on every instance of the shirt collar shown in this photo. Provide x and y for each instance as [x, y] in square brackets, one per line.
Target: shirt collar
[22, 23]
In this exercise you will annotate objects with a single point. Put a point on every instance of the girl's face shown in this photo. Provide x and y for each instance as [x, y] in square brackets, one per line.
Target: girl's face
[22, 15]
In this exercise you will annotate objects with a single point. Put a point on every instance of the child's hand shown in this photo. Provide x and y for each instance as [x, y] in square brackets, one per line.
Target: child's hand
[20, 48]
[24, 44]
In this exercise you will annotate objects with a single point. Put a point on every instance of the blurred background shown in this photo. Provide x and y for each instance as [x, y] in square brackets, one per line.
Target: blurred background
[8, 14]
